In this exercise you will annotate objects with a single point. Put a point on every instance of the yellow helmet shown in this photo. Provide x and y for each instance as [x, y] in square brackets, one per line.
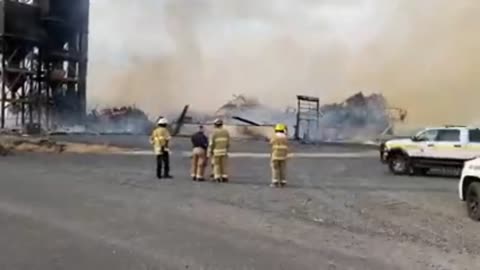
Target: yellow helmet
[281, 127]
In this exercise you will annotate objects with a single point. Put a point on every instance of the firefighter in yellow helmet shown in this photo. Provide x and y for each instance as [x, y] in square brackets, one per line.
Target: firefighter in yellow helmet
[279, 143]
[160, 140]
[219, 145]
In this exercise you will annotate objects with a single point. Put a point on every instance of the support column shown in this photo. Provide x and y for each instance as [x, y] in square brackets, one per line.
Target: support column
[4, 90]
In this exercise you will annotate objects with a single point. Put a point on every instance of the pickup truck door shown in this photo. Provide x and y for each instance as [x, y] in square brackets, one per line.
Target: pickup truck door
[472, 147]
[422, 146]
[449, 144]
[424, 143]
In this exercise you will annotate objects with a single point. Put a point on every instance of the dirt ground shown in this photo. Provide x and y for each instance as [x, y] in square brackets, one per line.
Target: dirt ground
[72, 211]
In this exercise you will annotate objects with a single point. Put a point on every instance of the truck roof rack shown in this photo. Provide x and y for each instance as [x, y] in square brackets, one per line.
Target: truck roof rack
[452, 126]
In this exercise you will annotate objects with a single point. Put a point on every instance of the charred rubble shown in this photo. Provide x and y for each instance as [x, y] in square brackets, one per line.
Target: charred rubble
[244, 110]
[126, 119]
[359, 116]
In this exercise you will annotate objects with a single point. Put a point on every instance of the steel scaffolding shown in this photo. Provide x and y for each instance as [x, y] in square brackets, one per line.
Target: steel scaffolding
[44, 48]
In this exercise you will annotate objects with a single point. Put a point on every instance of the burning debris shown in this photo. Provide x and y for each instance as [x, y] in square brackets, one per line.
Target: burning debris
[243, 110]
[359, 116]
[243, 116]
[238, 105]
[127, 119]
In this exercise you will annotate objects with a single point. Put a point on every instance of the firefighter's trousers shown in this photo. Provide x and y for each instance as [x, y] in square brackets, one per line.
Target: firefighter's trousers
[199, 158]
[279, 171]
[212, 164]
[163, 161]
[220, 167]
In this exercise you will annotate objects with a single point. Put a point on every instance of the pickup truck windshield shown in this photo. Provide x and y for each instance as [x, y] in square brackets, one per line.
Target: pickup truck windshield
[428, 135]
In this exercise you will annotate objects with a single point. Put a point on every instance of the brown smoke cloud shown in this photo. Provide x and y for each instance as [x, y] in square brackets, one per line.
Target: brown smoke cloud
[166, 53]
[427, 61]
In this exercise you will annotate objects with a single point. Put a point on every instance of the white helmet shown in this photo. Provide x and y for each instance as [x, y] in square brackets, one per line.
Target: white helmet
[163, 121]
[218, 122]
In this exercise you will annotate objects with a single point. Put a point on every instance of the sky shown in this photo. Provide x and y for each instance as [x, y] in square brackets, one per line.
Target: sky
[163, 54]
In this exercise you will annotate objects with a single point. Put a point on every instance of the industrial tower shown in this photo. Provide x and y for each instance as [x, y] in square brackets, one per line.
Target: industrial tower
[43, 54]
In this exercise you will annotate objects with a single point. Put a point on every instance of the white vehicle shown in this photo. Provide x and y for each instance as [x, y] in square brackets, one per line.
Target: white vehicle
[441, 147]
[469, 188]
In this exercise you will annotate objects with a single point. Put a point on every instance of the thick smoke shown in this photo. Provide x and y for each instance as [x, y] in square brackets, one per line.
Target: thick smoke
[162, 54]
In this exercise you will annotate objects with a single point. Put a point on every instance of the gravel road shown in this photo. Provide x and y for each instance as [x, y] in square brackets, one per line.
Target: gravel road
[109, 212]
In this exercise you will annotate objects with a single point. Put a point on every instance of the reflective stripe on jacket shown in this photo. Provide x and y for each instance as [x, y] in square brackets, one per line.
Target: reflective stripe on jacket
[219, 142]
[279, 144]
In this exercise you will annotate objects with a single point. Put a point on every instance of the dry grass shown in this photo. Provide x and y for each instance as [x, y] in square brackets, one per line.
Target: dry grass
[92, 148]
[12, 144]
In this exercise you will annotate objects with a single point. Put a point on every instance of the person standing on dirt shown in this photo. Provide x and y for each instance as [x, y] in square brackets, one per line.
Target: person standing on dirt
[279, 143]
[218, 148]
[160, 139]
[199, 155]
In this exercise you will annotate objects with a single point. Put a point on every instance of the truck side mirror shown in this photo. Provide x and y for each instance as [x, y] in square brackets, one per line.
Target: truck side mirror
[416, 139]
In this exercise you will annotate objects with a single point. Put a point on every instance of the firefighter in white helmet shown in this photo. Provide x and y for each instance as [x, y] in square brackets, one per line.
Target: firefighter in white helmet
[160, 139]
[219, 144]
[279, 143]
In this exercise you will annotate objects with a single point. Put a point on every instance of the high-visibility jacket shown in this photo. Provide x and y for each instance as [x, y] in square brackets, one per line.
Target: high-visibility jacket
[159, 139]
[279, 144]
[219, 142]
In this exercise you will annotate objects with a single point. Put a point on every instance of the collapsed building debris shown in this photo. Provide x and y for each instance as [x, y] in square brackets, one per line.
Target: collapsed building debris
[238, 105]
[243, 110]
[126, 119]
[241, 119]
[181, 120]
[243, 116]
[358, 117]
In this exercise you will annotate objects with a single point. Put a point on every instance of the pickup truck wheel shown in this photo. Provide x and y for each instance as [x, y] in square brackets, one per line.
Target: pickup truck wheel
[473, 201]
[398, 164]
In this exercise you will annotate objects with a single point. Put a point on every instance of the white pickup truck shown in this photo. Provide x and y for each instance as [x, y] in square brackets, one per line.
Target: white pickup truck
[436, 147]
[469, 188]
